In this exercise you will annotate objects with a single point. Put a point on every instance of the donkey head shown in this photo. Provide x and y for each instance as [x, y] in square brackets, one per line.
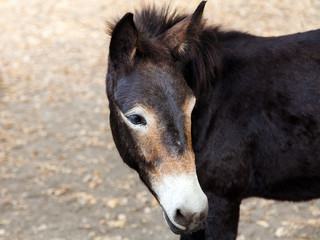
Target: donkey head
[150, 116]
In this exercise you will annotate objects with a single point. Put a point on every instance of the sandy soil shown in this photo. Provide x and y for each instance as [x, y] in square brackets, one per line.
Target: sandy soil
[60, 174]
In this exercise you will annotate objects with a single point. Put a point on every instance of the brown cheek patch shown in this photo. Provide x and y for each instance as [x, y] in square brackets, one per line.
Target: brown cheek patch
[183, 164]
[149, 140]
[152, 148]
[187, 108]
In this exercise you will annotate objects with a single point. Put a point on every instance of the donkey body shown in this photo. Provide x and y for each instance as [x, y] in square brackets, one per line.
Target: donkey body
[255, 124]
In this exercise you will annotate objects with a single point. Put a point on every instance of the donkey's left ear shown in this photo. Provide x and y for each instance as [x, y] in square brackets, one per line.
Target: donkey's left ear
[177, 36]
[124, 40]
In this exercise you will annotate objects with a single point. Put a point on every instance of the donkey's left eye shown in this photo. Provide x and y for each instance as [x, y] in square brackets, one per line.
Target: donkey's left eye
[137, 119]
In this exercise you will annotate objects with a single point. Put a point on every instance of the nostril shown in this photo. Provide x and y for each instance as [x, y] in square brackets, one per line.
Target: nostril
[178, 213]
[180, 218]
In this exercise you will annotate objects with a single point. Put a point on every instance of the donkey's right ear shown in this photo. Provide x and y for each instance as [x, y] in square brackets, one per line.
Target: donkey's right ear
[124, 40]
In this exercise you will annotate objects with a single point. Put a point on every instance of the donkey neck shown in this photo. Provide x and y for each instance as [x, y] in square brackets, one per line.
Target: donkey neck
[221, 81]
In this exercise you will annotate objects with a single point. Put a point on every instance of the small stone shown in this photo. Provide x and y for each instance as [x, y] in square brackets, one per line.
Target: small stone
[263, 223]
[93, 185]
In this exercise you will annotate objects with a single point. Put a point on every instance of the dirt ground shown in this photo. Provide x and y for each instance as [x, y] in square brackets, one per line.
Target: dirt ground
[60, 174]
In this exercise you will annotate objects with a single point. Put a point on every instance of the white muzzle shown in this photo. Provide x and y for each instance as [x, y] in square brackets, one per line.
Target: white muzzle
[184, 203]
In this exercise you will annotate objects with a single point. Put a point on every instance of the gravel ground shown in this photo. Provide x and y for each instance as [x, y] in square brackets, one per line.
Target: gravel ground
[60, 174]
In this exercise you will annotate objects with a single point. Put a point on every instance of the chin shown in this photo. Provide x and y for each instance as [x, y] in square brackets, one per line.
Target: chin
[179, 229]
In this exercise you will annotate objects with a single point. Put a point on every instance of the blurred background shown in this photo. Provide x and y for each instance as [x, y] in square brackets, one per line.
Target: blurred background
[60, 174]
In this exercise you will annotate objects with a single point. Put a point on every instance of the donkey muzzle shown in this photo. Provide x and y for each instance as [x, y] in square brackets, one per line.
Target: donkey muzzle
[185, 206]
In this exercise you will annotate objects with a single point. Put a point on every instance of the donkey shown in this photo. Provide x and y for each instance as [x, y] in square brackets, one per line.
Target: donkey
[208, 117]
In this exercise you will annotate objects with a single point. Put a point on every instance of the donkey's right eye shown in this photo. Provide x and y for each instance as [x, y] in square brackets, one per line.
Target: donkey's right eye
[137, 119]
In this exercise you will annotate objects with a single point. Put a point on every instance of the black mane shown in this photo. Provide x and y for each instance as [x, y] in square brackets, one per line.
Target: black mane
[152, 22]
[200, 64]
